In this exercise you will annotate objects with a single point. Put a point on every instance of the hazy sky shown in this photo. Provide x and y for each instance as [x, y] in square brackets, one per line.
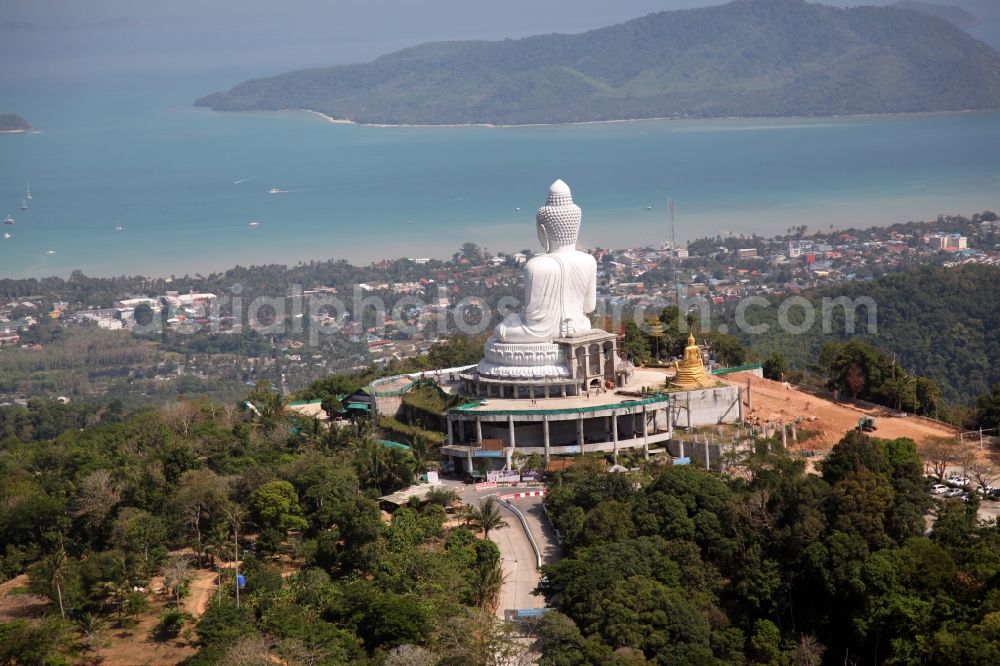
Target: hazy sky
[264, 36]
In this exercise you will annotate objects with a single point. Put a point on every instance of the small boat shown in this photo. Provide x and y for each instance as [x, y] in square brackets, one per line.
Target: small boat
[8, 219]
[255, 224]
[649, 208]
[274, 190]
[50, 252]
[6, 235]
[118, 227]
[517, 209]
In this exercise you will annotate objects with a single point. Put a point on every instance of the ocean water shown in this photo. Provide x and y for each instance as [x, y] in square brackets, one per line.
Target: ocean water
[185, 183]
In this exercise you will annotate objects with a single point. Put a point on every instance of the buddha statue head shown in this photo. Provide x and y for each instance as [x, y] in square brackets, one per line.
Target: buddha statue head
[558, 221]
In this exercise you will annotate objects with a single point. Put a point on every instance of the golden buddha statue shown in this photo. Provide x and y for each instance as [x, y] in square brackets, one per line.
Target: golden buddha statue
[690, 373]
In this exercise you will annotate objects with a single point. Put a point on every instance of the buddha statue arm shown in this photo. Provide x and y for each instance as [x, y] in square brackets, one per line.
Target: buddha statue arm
[590, 299]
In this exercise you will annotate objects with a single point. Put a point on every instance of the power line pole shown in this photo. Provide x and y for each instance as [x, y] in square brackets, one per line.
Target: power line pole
[673, 248]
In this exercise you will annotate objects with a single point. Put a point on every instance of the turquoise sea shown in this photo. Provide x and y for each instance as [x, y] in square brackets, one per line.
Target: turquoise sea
[185, 183]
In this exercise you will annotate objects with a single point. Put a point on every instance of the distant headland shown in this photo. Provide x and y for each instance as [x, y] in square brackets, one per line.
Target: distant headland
[11, 122]
[748, 58]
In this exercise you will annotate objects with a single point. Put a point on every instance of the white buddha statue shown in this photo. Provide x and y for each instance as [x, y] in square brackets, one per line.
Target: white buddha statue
[560, 286]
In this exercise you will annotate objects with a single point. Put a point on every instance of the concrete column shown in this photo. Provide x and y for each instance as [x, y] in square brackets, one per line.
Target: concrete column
[479, 431]
[750, 396]
[451, 433]
[546, 391]
[739, 401]
[682, 449]
[509, 456]
[510, 431]
[586, 365]
[563, 390]
[614, 431]
[579, 433]
[795, 435]
[670, 420]
[468, 461]
[689, 408]
[545, 436]
[707, 459]
[645, 433]
[784, 435]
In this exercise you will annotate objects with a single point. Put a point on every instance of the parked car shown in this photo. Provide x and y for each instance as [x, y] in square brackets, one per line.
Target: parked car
[953, 493]
[939, 489]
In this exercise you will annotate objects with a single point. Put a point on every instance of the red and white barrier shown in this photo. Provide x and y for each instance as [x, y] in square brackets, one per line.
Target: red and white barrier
[529, 493]
[485, 485]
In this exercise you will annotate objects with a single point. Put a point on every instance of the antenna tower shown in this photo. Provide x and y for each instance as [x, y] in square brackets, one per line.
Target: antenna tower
[673, 248]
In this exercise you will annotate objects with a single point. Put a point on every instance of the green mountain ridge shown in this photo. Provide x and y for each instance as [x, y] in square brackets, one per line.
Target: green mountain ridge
[942, 323]
[745, 58]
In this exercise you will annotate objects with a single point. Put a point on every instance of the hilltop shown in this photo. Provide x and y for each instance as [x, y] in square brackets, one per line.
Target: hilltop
[950, 13]
[746, 58]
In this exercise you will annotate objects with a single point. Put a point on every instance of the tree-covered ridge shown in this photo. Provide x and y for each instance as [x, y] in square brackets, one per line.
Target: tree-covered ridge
[950, 13]
[11, 122]
[746, 58]
[942, 323]
[772, 566]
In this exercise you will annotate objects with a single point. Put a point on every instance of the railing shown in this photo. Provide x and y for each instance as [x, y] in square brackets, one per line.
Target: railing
[565, 410]
[738, 368]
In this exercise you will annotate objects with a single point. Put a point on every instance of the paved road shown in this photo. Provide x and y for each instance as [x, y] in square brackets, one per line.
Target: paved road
[517, 556]
[519, 567]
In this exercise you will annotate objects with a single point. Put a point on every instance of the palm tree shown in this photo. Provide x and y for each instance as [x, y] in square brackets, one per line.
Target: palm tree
[117, 592]
[217, 548]
[486, 516]
[91, 626]
[488, 578]
[55, 569]
[421, 446]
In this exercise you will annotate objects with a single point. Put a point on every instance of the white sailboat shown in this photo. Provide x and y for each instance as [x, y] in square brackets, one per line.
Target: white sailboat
[8, 219]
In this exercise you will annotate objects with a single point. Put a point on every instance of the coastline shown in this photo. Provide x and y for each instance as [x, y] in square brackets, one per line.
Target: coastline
[628, 121]
[329, 119]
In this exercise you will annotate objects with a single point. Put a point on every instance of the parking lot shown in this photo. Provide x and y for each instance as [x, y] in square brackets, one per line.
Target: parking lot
[960, 488]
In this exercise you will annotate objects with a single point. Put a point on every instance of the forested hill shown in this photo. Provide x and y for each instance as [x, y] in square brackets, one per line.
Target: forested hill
[941, 323]
[11, 122]
[746, 58]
